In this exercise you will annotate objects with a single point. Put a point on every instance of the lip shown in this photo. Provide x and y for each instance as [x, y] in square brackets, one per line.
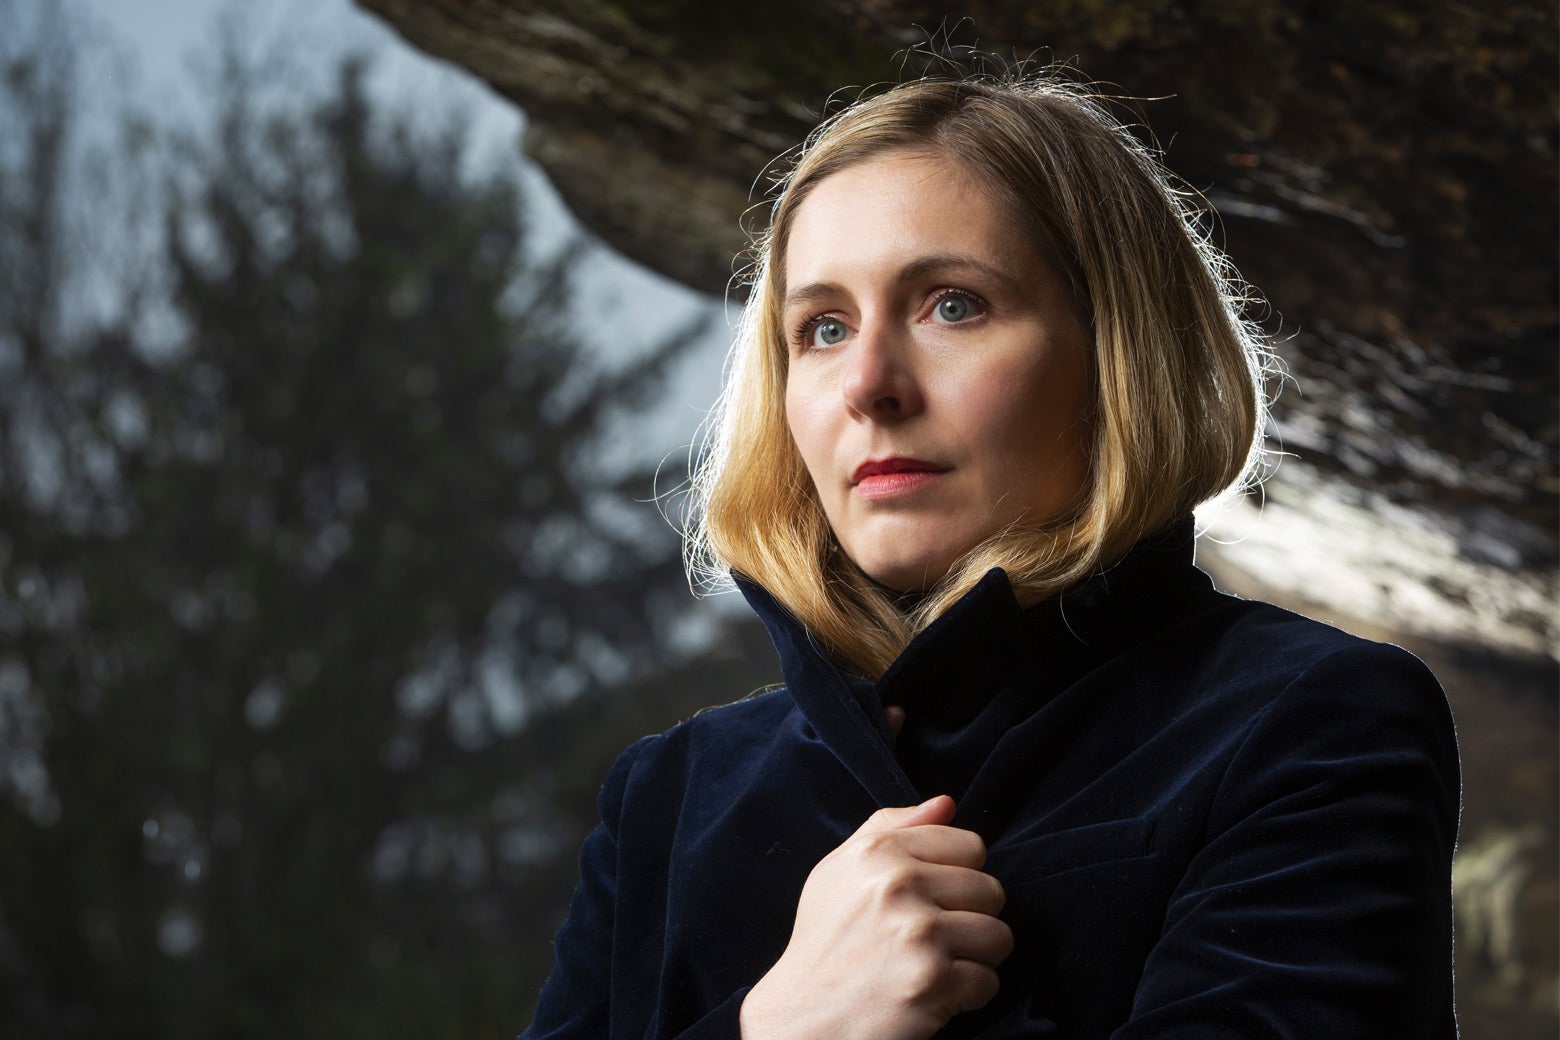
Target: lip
[877, 478]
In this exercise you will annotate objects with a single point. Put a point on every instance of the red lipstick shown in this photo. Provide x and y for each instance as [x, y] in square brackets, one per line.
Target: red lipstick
[877, 478]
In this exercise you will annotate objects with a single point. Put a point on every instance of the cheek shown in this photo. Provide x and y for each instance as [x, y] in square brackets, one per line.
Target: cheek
[802, 420]
[1032, 416]
[794, 420]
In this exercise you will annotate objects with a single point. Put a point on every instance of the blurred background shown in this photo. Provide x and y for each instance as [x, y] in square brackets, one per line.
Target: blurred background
[351, 361]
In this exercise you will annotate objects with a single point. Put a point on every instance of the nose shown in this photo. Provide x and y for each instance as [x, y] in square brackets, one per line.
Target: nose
[880, 382]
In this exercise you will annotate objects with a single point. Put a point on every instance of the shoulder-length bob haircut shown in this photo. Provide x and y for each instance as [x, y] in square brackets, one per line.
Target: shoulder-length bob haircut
[1178, 371]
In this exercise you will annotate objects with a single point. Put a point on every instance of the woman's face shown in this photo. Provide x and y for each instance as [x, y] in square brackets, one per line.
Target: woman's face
[939, 384]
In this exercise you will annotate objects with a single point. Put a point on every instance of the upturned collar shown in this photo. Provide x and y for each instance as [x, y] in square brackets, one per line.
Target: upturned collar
[981, 667]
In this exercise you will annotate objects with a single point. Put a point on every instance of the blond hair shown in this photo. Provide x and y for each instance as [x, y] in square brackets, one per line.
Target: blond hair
[1178, 371]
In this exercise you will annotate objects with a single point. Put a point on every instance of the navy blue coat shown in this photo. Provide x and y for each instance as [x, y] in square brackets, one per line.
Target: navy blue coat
[1212, 818]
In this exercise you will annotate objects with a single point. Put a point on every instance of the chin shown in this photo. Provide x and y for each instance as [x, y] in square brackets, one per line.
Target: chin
[906, 575]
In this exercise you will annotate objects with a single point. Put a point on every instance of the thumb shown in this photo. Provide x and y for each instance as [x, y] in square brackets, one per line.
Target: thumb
[937, 811]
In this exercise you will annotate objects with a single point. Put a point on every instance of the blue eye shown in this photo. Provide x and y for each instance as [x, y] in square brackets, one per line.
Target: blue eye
[829, 332]
[953, 308]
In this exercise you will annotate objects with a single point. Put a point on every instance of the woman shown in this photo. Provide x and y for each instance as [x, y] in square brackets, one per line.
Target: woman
[1030, 775]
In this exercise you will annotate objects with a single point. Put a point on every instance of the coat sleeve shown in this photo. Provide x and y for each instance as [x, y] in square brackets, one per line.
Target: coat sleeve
[1320, 904]
[576, 1000]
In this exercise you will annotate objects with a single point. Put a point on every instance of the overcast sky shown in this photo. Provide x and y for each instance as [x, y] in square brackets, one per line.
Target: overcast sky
[163, 40]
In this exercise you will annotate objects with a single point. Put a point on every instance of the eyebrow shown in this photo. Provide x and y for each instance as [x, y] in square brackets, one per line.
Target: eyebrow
[920, 267]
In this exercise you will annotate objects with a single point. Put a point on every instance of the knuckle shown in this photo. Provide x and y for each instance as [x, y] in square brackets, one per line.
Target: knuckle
[875, 844]
[998, 895]
[881, 820]
[1004, 941]
[919, 932]
[923, 979]
[897, 884]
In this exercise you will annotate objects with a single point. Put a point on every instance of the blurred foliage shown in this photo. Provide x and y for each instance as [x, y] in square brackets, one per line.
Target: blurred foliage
[320, 618]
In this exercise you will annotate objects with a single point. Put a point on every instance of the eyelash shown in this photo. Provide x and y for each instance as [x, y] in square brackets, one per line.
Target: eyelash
[964, 294]
[802, 334]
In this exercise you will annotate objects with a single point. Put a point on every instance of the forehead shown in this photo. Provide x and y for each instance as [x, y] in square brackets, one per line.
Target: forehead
[893, 211]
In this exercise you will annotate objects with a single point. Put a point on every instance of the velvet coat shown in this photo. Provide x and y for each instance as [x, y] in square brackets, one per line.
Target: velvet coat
[1212, 818]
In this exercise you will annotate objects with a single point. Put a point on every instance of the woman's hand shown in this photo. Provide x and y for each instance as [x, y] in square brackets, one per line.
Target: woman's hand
[896, 932]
